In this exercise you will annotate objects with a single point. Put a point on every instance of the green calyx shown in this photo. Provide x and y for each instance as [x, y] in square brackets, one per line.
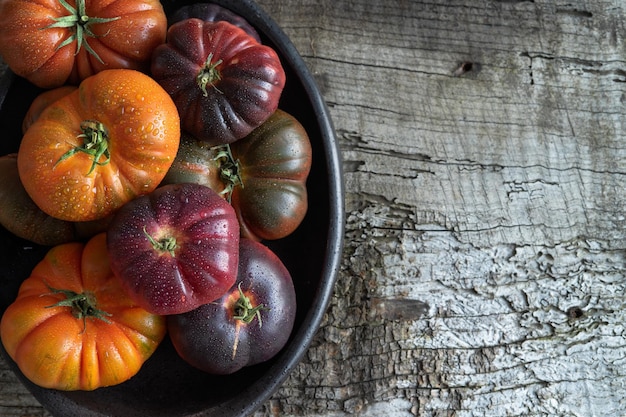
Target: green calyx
[81, 23]
[167, 244]
[95, 143]
[245, 311]
[209, 75]
[83, 305]
[229, 170]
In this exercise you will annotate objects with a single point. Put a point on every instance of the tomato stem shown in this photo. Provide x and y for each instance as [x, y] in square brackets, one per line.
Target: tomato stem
[81, 23]
[166, 244]
[245, 311]
[95, 143]
[83, 305]
[209, 75]
[229, 170]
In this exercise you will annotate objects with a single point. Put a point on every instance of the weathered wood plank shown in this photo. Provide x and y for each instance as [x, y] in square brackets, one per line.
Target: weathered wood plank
[488, 204]
[484, 268]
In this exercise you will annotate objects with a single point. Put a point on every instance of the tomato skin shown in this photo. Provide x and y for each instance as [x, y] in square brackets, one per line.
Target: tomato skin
[195, 163]
[246, 92]
[21, 216]
[143, 137]
[42, 101]
[55, 349]
[275, 161]
[203, 264]
[211, 12]
[34, 51]
[213, 340]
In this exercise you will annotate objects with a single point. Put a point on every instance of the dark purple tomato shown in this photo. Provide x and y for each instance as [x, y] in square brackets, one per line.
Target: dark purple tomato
[176, 248]
[224, 82]
[211, 12]
[248, 325]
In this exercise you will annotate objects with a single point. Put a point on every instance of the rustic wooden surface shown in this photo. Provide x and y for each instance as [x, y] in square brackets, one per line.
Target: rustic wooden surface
[484, 265]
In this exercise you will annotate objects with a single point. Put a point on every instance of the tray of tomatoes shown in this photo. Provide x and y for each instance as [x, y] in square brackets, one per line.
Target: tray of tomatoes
[171, 205]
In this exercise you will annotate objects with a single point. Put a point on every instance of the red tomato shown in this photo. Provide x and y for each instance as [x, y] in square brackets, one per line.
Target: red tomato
[73, 327]
[51, 42]
[248, 325]
[224, 83]
[91, 151]
[175, 248]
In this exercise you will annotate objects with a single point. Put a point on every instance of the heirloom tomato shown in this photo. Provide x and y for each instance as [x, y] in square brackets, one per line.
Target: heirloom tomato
[54, 42]
[175, 248]
[211, 12]
[223, 81]
[248, 325]
[21, 216]
[263, 175]
[73, 327]
[91, 151]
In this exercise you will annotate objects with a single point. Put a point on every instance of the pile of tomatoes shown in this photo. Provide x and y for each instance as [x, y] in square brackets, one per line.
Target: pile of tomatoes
[154, 163]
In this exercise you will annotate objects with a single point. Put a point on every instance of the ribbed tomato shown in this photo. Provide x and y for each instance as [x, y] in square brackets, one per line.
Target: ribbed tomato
[175, 248]
[73, 327]
[53, 42]
[248, 325]
[91, 151]
[224, 83]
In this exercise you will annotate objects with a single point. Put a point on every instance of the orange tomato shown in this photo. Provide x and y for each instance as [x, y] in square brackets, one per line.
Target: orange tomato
[98, 147]
[42, 101]
[51, 43]
[72, 326]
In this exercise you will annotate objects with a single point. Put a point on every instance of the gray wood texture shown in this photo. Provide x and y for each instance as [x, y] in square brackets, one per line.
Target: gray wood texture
[485, 168]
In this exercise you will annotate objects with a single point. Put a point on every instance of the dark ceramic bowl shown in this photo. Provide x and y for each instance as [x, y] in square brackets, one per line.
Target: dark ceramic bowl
[166, 386]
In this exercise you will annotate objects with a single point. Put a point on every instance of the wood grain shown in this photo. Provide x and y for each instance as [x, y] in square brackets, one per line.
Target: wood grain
[485, 168]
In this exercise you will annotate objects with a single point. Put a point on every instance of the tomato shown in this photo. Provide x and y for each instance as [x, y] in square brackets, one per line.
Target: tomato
[248, 325]
[54, 42]
[72, 326]
[175, 248]
[264, 176]
[91, 151]
[42, 101]
[211, 12]
[224, 83]
[21, 216]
